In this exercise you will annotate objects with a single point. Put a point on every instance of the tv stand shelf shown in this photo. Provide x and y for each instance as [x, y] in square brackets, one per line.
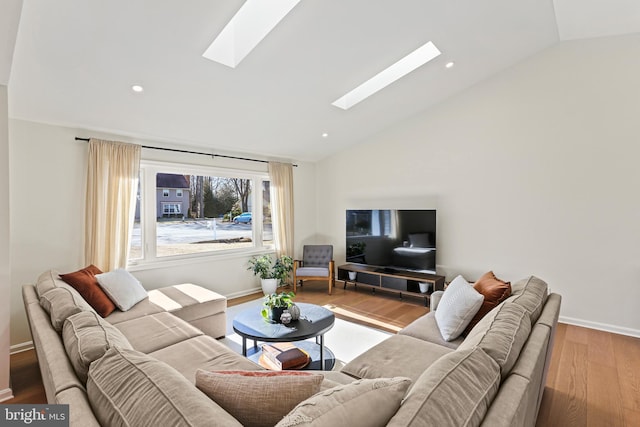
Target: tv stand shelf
[390, 280]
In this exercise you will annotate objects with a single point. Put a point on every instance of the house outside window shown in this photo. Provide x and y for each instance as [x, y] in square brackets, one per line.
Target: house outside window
[196, 218]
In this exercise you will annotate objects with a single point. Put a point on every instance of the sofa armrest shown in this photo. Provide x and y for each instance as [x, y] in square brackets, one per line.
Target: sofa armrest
[434, 300]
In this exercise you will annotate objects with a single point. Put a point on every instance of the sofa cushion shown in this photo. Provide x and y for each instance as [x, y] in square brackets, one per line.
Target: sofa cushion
[426, 329]
[459, 303]
[129, 388]
[50, 279]
[258, 398]
[122, 288]
[397, 356]
[141, 309]
[455, 391]
[494, 292]
[203, 308]
[86, 338]
[59, 304]
[530, 293]
[362, 403]
[501, 334]
[84, 281]
[204, 352]
[155, 331]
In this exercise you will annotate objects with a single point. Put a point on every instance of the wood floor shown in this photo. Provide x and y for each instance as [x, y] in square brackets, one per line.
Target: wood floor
[594, 378]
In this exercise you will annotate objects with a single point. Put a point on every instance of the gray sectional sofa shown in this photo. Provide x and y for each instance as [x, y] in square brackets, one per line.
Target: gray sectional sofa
[139, 367]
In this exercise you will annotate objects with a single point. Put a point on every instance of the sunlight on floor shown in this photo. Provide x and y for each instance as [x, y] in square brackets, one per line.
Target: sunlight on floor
[359, 317]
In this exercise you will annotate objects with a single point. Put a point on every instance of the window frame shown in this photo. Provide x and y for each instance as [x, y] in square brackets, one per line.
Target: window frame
[148, 211]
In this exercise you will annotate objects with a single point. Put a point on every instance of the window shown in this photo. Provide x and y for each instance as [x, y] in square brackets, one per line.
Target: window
[170, 209]
[214, 211]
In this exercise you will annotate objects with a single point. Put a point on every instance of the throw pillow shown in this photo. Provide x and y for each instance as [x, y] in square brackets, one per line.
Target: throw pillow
[258, 398]
[129, 388]
[123, 289]
[362, 403]
[59, 303]
[494, 291]
[459, 303]
[87, 337]
[84, 281]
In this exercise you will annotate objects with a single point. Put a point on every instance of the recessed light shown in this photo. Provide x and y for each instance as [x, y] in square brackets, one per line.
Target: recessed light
[137, 88]
[253, 21]
[404, 66]
[325, 135]
[450, 64]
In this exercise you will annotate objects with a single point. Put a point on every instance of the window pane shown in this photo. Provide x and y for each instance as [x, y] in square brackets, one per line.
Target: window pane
[267, 225]
[135, 248]
[207, 217]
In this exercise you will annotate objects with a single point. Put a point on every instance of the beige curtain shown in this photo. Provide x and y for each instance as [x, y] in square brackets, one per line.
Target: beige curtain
[112, 181]
[281, 176]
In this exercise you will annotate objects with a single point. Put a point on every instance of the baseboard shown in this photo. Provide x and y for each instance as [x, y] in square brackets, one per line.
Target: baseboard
[244, 293]
[18, 348]
[6, 394]
[601, 326]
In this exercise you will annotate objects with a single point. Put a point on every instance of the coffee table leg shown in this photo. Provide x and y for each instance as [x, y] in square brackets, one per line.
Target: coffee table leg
[244, 346]
[322, 352]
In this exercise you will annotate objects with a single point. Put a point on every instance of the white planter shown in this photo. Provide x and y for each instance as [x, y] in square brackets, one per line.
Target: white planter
[269, 286]
[352, 275]
[424, 287]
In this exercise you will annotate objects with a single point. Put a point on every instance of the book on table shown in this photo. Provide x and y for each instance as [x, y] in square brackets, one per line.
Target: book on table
[283, 355]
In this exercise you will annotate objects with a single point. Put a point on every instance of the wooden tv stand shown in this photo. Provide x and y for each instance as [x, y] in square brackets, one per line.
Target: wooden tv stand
[399, 281]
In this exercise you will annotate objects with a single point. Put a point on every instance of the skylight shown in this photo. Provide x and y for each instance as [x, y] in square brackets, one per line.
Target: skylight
[404, 66]
[253, 21]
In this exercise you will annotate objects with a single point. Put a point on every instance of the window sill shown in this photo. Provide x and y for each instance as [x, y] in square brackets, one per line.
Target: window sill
[201, 259]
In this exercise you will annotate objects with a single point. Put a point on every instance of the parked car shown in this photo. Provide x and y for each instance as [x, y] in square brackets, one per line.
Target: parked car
[244, 218]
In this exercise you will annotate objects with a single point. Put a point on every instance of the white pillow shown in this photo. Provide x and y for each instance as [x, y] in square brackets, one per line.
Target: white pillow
[124, 290]
[459, 303]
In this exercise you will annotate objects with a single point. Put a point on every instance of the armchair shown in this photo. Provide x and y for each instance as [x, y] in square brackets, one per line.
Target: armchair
[316, 264]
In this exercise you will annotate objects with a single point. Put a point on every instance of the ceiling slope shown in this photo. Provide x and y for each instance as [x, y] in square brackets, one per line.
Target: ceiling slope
[75, 63]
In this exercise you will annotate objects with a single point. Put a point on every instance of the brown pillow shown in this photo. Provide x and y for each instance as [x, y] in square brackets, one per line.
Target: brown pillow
[84, 281]
[258, 398]
[494, 291]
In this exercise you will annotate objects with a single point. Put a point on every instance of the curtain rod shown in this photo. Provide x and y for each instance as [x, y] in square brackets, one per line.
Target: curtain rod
[195, 152]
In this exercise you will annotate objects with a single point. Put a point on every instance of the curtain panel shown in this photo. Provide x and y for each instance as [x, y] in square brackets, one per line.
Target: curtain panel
[112, 181]
[281, 176]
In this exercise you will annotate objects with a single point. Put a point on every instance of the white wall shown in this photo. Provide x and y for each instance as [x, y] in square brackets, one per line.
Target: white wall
[48, 170]
[5, 253]
[534, 171]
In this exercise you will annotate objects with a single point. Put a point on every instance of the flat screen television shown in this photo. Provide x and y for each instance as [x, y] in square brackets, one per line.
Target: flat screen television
[395, 240]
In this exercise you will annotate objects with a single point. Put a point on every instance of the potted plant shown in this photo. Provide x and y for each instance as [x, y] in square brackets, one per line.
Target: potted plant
[271, 273]
[275, 304]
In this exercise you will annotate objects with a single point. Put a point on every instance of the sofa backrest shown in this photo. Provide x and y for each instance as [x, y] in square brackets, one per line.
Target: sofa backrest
[531, 293]
[60, 382]
[518, 400]
[501, 334]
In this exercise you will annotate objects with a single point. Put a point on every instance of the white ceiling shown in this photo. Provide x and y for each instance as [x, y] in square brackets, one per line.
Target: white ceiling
[75, 61]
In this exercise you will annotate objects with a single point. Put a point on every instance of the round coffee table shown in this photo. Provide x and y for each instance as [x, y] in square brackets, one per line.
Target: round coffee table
[313, 323]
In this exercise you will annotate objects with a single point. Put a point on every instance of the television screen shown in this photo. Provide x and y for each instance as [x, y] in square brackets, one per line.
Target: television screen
[394, 239]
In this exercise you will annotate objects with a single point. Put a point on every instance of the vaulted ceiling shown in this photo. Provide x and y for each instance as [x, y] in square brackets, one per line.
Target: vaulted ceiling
[75, 61]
